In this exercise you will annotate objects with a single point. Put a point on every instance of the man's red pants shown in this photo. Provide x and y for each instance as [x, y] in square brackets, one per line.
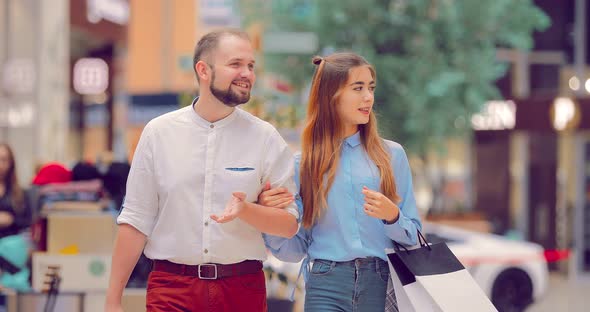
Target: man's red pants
[168, 292]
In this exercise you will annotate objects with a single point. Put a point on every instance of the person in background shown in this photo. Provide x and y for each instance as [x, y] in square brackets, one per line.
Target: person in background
[14, 249]
[12, 203]
[355, 192]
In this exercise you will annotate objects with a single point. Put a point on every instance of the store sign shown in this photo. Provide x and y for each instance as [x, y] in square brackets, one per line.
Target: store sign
[496, 115]
[91, 76]
[218, 13]
[290, 42]
[19, 76]
[115, 11]
[565, 114]
[16, 115]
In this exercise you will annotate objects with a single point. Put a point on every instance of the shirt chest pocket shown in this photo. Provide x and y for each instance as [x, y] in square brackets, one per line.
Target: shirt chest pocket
[241, 179]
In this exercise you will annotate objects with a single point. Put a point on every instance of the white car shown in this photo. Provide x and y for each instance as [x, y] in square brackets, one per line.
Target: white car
[512, 273]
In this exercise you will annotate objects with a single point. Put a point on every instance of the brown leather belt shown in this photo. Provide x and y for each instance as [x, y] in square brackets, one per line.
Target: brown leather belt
[209, 271]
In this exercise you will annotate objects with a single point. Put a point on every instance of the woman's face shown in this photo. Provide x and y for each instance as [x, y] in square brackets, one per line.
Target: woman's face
[5, 161]
[356, 99]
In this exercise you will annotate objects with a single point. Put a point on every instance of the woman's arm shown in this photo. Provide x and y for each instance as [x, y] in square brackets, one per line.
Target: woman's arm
[289, 249]
[286, 249]
[293, 249]
[404, 229]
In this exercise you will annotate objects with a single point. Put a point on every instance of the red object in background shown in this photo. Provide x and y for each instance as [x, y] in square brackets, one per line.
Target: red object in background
[554, 255]
[52, 173]
[39, 234]
[549, 255]
[283, 86]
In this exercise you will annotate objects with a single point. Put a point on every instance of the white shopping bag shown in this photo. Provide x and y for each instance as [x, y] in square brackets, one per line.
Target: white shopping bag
[430, 278]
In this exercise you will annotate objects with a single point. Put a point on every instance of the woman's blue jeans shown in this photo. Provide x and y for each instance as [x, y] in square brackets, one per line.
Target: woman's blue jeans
[356, 285]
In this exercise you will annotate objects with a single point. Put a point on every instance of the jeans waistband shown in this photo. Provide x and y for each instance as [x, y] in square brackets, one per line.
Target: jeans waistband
[368, 262]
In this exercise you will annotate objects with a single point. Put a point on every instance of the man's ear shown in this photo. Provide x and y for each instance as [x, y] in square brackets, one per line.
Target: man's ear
[203, 70]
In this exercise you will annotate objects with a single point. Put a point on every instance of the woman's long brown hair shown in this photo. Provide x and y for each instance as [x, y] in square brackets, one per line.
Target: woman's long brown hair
[323, 136]
[11, 181]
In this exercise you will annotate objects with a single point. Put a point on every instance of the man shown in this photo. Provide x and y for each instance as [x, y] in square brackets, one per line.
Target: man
[190, 192]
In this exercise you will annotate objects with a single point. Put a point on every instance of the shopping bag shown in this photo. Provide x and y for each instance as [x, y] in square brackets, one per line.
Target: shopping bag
[430, 278]
[14, 253]
[390, 300]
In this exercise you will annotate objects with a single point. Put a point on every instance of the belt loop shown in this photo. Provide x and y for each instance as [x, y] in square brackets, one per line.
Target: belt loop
[381, 265]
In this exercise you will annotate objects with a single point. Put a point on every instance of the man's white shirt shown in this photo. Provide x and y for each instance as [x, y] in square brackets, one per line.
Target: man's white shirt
[185, 168]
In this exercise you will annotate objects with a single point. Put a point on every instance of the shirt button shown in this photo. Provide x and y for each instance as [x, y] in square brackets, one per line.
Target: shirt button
[211, 126]
[206, 251]
[206, 223]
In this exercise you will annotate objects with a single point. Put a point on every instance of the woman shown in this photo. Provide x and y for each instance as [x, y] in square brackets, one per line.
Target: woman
[13, 248]
[355, 192]
[11, 195]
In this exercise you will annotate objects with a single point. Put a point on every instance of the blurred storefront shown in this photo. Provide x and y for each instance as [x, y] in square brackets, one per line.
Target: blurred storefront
[530, 162]
[98, 48]
[532, 175]
[80, 78]
[61, 65]
[34, 49]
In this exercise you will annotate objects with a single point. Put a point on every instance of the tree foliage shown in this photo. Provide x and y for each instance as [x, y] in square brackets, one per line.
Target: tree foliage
[435, 59]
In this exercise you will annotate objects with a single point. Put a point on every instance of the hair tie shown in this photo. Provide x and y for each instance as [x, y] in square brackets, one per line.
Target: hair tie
[317, 60]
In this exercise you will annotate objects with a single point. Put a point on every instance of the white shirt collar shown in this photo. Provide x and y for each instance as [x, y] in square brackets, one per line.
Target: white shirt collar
[207, 124]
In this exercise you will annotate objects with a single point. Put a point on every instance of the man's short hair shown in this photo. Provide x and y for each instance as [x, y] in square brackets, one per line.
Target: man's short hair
[209, 42]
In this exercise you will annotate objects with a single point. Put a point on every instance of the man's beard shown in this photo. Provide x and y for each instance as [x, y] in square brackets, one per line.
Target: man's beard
[228, 97]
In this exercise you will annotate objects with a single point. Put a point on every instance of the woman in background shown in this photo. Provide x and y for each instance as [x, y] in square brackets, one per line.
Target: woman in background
[14, 248]
[11, 195]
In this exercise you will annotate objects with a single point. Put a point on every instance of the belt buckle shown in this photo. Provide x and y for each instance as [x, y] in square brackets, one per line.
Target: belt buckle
[207, 264]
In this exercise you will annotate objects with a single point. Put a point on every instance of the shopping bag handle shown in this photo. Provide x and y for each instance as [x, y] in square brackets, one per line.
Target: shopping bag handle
[398, 247]
[421, 239]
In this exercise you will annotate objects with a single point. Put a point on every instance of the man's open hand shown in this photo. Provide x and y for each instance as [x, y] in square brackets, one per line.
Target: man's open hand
[233, 208]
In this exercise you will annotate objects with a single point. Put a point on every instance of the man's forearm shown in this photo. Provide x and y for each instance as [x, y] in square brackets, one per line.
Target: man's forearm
[128, 247]
[269, 220]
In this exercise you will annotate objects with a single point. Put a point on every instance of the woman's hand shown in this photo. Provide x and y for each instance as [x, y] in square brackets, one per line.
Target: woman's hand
[6, 219]
[277, 198]
[379, 206]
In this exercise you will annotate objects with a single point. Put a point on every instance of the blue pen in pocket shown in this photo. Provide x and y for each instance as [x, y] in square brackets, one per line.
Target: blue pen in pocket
[239, 169]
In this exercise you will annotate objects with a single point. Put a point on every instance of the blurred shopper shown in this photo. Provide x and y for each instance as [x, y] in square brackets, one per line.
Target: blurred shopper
[201, 163]
[14, 249]
[12, 203]
[355, 192]
[115, 181]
